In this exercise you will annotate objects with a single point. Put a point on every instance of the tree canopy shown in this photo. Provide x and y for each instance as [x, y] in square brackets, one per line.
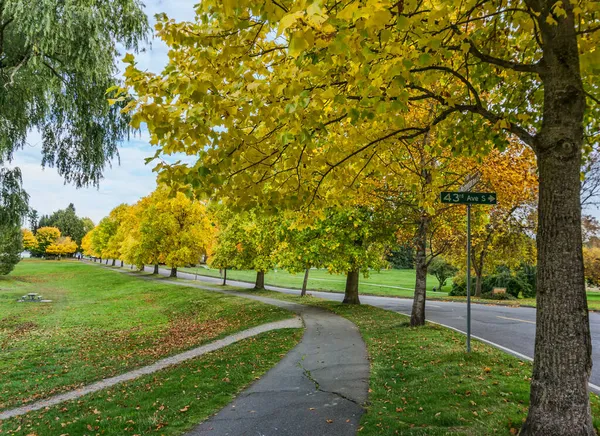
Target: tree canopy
[57, 59]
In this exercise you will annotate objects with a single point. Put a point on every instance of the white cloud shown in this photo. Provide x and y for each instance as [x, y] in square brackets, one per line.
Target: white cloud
[124, 183]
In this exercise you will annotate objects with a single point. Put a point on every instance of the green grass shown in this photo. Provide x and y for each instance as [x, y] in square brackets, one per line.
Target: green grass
[423, 383]
[386, 283]
[168, 402]
[389, 283]
[102, 323]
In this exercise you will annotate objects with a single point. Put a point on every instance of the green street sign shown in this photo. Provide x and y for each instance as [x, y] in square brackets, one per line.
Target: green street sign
[468, 197]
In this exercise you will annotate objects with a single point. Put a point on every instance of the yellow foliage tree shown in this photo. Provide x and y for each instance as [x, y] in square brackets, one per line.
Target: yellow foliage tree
[45, 236]
[62, 246]
[502, 234]
[29, 241]
[591, 262]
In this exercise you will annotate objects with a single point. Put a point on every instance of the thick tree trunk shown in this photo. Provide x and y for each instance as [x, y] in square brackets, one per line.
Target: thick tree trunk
[304, 282]
[417, 316]
[173, 272]
[155, 269]
[260, 281]
[121, 264]
[559, 399]
[224, 276]
[114, 262]
[351, 294]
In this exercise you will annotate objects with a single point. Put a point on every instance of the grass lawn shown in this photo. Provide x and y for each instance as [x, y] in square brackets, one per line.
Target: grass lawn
[423, 382]
[102, 323]
[389, 283]
[168, 402]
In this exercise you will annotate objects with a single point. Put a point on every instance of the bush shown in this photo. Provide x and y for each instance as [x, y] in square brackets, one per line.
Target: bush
[514, 284]
[459, 285]
[490, 296]
[528, 274]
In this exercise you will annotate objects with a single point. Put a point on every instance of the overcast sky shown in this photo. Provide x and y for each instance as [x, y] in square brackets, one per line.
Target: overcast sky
[124, 183]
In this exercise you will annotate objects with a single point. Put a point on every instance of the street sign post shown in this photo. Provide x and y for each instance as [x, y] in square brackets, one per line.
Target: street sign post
[468, 198]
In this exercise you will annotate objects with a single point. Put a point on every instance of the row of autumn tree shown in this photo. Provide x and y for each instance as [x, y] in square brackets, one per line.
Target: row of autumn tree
[178, 231]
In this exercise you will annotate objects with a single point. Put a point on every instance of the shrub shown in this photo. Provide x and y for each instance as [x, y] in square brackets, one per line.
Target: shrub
[490, 296]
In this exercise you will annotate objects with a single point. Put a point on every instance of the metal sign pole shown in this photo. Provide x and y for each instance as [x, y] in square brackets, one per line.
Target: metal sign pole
[468, 278]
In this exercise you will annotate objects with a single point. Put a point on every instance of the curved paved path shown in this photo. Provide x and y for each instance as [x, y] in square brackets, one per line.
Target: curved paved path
[512, 329]
[318, 388]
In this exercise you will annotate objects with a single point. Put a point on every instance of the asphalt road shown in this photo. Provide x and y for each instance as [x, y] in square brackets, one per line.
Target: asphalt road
[511, 329]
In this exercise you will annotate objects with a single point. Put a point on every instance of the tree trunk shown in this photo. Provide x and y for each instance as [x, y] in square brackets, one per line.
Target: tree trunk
[155, 269]
[351, 295]
[478, 267]
[478, 280]
[106, 261]
[173, 272]
[559, 399]
[417, 316]
[142, 268]
[114, 262]
[305, 282]
[260, 281]
[224, 276]
[121, 264]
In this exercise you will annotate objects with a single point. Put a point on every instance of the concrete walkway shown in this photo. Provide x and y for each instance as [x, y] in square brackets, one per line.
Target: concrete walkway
[318, 388]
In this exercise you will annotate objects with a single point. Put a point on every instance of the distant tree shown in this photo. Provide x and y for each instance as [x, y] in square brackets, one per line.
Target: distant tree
[591, 263]
[63, 246]
[87, 246]
[245, 240]
[88, 224]
[402, 257]
[110, 225]
[590, 229]
[442, 270]
[11, 246]
[67, 221]
[33, 220]
[300, 247]
[45, 236]
[355, 241]
[29, 240]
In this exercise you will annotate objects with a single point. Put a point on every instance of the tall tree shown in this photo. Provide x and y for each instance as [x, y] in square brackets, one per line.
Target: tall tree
[14, 201]
[11, 246]
[293, 117]
[45, 236]
[57, 59]
[67, 221]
